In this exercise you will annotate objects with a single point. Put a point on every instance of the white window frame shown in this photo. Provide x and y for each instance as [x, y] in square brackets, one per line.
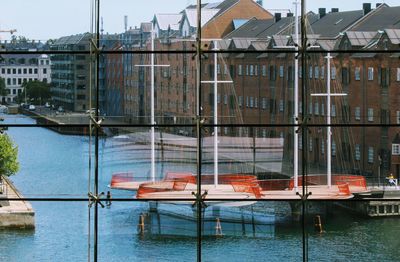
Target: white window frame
[357, 153]
[370, 114]
[357, 113]
[395, 149]
[370, 73]
[370, 155]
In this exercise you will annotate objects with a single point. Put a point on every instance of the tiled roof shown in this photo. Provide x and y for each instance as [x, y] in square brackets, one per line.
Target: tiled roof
[394, 35]
[206, 15]
[332, 24]
[384, 17]
[252, 28]
[360, 38]
[71, 40]
[168, 20]
[145, 27]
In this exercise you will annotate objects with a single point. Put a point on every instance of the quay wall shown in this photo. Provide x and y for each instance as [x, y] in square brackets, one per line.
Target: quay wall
[15, 213]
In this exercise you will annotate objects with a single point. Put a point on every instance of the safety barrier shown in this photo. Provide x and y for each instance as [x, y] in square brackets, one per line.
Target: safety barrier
[121, 178]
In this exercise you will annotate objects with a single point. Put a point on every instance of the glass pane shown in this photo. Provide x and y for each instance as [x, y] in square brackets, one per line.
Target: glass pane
[147, 231]
[352, 225]
[249, 230]
[172, 24]
[126, 163]
[50, 164]
[60, 231]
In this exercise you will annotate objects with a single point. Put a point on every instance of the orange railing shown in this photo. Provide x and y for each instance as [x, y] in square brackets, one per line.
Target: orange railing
[121, 178]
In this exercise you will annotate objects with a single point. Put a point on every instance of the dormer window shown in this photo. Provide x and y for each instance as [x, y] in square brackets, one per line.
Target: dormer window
[396, 149]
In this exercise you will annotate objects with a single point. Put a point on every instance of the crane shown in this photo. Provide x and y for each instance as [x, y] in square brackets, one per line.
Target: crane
[12, 31]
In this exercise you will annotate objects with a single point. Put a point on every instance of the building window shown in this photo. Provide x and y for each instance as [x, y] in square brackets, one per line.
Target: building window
[256, 70]
[357, 74]
[398, 75]
[281, 105]
[357, 152]
[333, 148]
[281, 71]
[247, 70]
[310, 145]
[240, 70]
[370, 114]
[225, 99]
[240, 101]
[310, 108]
[251, 70]
[322, 147]
[396, 149]
[370, 73]
[264, 70]
[316, 109]
[322, 72]
[397, 117]
[316, 72]
[264, 133]
[264, 103]
[310, 72]
[333, 73]
[370, 154]
[251, 102]
[333, 111]
[322, 109]
[247, 101]
[256, 102]
[358, 113]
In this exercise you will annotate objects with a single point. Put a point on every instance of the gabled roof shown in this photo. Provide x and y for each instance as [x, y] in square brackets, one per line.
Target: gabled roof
[277, 27]
[332, 24]
[206, 15]
[259, 45]
[280, 40]
[166, 21]
[145, 27]
[72, 39]
[393, 35]
[360, 39]
[326, 44]
[225, 5]
[383, 17]
[240, 43]
[251, 29]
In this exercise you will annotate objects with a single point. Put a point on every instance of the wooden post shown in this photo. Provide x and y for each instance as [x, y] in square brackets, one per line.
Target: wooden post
[218, 228]
[318, 224]
[141, 224]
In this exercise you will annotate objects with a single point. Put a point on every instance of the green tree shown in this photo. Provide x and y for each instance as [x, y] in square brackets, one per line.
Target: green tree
[9, 164]
[36, 91]
[3, 91]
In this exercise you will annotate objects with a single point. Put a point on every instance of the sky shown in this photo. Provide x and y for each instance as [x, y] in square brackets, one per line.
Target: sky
[49, 19]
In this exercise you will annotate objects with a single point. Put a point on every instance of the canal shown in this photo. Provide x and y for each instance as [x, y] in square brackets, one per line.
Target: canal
[54, 165]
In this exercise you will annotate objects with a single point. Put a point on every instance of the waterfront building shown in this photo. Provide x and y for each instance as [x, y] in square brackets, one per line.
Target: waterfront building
[263, 83]
[70, 73]
[16, 69]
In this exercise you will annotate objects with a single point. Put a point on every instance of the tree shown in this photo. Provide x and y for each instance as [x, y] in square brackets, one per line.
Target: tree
[36, 91]
[9, 164]
[3, 91]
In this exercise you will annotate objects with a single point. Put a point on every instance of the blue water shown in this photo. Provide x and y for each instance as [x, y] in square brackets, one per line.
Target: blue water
[53, 165]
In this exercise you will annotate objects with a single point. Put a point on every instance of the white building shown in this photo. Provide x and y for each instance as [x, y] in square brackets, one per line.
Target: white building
[16, 69]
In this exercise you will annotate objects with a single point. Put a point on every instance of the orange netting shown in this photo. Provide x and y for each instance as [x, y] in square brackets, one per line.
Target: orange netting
[247, 187]
[154, 187]
[121, 178]
[173, 176]
[357, 181]
[344, 189]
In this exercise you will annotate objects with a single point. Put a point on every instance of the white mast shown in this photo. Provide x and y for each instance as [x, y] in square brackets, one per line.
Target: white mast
[329, 95]
[215, 114]
[152, 109]
[296, 102]
[153, 157]
[215, 82]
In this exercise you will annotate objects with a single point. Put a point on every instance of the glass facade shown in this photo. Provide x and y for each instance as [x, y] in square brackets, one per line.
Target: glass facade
[221, 131]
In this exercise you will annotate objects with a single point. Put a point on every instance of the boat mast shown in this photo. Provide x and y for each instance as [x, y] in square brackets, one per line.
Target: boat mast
[296, 102]
[215, 114]
[329, 95]
[153, 160]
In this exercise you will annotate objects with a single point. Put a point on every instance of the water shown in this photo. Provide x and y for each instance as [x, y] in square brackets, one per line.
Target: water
[53, 165]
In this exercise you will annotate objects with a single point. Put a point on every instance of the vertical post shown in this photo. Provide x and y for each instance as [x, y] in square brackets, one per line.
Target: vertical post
[153, 166]
[198, 129]
[215, 114]
[328, 111]
[254, 151]
[296, 103]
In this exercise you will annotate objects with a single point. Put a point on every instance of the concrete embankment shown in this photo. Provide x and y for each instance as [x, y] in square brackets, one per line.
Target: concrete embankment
[14, 213]
[60, 123]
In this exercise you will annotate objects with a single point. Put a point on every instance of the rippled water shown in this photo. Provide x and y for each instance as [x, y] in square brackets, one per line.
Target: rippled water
[53, 165]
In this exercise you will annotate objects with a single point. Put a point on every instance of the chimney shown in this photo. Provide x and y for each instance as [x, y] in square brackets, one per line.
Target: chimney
[366, 8]
[335, 10]
[260, 2]
[321, 12]
[378, 5]
[278, 17]
[289, 14]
